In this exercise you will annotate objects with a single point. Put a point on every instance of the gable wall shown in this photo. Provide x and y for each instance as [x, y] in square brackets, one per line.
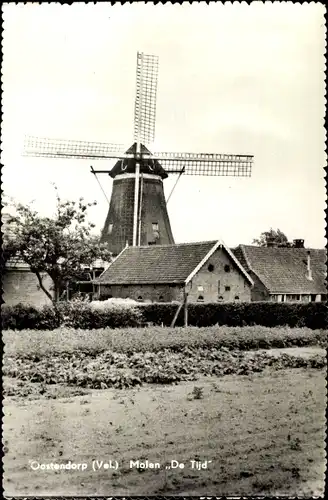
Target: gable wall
[239, 286]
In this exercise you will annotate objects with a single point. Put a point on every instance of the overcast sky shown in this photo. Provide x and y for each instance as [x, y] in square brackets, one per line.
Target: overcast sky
[232, 79]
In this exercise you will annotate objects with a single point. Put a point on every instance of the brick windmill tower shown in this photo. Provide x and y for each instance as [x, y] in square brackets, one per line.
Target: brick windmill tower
[137, 212]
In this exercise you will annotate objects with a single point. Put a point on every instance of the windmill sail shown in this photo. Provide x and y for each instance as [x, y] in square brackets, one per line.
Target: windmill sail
[138, 210]
[61, 148]
[206, 164]
[145, 102]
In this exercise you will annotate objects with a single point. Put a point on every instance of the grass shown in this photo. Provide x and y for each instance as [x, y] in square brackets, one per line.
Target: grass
[31, 343]
[264, 434]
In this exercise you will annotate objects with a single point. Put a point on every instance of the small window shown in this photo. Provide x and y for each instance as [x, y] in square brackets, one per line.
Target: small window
[210, 268]
[227, 268]
[139, 298]
[161, 298]
[155, 230]
[110, 229]
[200, 298]
[227, 288]
[237, 297]
[220, 298]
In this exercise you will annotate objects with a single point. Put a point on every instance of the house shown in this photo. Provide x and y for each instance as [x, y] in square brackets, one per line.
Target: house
[285, 274]
[206, 271]
[21, 286]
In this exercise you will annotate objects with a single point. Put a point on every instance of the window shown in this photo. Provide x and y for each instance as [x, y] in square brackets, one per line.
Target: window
[155, 230]
[200, 298]
[227, 268]
[110, 229]
[161, 298]
[237, 297]
[227, 288]
[139, 298]
[220, 298]
[210, 268]
[293, 298]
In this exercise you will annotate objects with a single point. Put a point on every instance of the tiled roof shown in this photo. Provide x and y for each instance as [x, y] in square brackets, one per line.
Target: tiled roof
[155, 263]
[284, 270]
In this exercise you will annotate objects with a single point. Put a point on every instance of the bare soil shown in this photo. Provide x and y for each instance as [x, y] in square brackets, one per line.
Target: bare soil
[264, 434]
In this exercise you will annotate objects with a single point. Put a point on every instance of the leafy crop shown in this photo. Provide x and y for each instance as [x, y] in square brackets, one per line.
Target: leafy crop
[32, 343]
[119, 370]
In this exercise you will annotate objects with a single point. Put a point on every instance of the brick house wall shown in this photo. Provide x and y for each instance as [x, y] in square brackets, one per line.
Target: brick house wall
[22, 286]
[259, 291]
[213, 283]
[153, 293]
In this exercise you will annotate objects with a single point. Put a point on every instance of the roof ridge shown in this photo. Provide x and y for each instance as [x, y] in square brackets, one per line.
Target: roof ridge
[283, 248]
[177, 244]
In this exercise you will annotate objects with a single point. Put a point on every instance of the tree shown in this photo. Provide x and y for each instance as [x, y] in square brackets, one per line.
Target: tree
[58, 247]
[276, 238]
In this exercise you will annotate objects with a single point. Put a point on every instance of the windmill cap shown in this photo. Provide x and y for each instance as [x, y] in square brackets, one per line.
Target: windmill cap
[147, 166]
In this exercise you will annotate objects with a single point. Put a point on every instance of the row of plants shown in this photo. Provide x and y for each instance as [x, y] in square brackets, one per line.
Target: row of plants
[112, 369]
[85, 315]
[36, 344]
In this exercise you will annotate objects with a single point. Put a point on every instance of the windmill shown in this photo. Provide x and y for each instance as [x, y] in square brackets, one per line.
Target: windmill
[137, 212]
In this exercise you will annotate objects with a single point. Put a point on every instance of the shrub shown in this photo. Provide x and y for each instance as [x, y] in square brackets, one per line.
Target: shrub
[21, 316]
[120, 314]
[74, 314]
[312, 315]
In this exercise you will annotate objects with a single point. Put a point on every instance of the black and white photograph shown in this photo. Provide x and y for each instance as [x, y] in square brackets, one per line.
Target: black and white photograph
[164, 263]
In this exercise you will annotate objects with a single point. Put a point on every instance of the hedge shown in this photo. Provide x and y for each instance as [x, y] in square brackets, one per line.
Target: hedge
[85, 316]
[312, 315]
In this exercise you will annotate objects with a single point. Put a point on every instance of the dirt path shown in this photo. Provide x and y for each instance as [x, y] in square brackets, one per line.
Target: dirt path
[305, 352]
[263, 433]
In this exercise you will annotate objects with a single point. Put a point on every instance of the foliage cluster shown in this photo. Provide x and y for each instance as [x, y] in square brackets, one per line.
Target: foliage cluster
[312, 315]
[119, 370]
[79, 314]
[35, 344]
[61, 246]
[73, 314]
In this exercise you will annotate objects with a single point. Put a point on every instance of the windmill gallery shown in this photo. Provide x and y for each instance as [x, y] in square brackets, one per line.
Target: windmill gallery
[148, 265]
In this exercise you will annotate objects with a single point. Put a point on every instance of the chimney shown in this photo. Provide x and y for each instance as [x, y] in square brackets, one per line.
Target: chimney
[298, 243]
[308, 270]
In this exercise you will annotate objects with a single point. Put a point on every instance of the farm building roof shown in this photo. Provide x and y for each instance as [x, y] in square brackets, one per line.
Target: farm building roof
[161, 263]
[284, 270]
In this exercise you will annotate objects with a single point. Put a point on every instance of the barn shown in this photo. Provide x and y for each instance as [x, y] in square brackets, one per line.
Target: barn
[206, 271]
[285, 274]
